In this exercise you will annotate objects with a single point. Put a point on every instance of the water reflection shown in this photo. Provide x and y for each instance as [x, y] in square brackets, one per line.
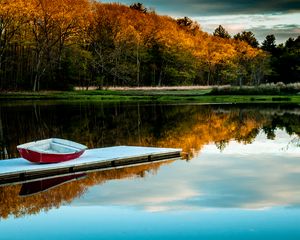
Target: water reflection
[243, 156]
[185, 126]
[20, 200]
[260, 175]
[34, 187]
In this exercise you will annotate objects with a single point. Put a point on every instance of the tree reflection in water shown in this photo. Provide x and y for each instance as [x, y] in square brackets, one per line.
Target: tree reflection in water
[12, 203]
[98, 125]
[185, 126]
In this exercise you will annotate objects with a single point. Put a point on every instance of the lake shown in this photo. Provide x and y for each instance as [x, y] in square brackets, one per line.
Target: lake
[239, 180]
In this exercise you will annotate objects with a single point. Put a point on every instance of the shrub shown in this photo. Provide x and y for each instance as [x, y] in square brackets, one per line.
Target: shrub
[263, 89]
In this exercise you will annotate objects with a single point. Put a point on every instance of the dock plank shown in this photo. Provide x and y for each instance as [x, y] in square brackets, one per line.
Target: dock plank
[19, 168]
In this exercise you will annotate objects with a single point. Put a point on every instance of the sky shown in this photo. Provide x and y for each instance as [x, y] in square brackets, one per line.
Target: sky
[278, 17]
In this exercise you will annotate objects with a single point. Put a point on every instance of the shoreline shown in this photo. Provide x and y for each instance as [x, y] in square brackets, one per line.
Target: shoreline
[161, 95]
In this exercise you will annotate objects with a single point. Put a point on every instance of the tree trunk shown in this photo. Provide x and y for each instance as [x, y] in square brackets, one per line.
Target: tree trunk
[137, 66]
[208, 78]
[160, 78]
[37, 73]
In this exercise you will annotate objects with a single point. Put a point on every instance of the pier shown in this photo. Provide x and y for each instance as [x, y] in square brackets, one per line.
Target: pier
[20, 170]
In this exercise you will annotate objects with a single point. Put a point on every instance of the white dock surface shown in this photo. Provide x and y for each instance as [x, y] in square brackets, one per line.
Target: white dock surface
[20, 165]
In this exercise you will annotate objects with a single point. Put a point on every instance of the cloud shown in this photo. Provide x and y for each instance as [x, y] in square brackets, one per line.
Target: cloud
[282, 32]
[260, 175]
[207, 7]
[282, 26]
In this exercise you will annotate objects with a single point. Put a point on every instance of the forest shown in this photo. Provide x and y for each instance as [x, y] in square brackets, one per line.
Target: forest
[60, 44]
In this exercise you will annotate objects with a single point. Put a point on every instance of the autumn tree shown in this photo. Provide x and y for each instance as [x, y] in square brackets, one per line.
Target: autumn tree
[53, 24]
[54, 44]
[13, 16]
[249, 64]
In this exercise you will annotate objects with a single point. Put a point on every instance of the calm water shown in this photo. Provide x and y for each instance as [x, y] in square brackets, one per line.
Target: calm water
[240, 182]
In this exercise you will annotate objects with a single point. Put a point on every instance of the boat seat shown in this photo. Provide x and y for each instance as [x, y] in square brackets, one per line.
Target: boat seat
[41, 149]
[60, 148]
[53, 148]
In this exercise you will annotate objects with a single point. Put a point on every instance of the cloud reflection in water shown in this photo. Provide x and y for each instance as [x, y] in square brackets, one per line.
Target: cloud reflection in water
[260, 175]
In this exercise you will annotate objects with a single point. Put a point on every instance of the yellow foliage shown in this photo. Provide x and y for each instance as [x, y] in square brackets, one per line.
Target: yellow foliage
[13, 204]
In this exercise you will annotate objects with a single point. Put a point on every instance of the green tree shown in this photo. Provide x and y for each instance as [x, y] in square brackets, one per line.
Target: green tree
[248, 37]
[189, 25]
[269, 43]
[221, 32]
[185, 22]
[139, 7]
[288, 62]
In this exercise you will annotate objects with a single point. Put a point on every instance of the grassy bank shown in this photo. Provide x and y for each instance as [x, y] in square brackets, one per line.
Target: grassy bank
[193, 95]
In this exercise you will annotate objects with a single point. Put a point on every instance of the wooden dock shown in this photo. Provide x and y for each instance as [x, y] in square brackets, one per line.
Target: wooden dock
[19, 169]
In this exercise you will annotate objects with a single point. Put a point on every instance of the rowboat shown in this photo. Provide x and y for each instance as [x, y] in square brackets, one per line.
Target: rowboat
[52, 150]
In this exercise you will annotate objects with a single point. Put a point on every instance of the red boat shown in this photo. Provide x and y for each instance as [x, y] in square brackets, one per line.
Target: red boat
[52, 150]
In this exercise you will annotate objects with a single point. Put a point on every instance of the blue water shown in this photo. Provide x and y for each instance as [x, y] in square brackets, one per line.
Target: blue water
[245, 191]
[126, 223]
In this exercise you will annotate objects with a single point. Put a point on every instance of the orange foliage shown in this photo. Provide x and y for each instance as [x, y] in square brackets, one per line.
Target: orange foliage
[119, 42]
[213, 128]
[13, 204]
[126, 21]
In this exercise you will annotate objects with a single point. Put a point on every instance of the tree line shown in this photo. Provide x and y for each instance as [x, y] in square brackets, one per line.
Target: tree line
[283, 59]
[59, 44]
[113, 124]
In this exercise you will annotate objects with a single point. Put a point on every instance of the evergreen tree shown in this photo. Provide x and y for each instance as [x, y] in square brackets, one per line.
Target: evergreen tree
[248, 37]
[221, 32]
[269, 43]
[185, 22]
[139, 7]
